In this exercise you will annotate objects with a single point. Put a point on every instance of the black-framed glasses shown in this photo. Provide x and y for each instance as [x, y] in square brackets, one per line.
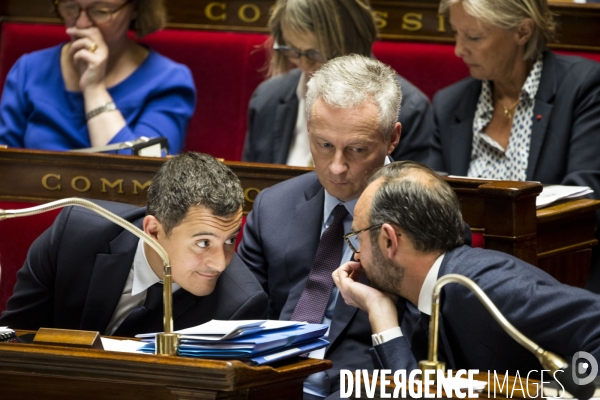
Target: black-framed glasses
[70, 11]
[292, 53]
[349, 237]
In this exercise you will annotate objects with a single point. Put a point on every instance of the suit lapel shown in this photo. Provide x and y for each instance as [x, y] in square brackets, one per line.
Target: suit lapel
[285, 119]
[461, 133]
[108, 280]
[302, 242]
[544, 102]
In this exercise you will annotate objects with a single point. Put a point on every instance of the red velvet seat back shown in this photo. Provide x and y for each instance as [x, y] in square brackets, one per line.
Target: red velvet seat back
[16, 235]
[429, 66]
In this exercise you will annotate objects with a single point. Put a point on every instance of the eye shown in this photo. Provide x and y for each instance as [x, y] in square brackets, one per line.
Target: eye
[358, 150]
[202, 243]
[473, 38]
[230, 241]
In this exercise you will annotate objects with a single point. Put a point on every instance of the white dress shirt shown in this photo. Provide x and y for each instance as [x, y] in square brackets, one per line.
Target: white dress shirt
[299, 155]
[141, 277]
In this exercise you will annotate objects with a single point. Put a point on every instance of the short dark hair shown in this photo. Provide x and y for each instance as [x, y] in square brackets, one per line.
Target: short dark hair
[424, 207]
[193, 179]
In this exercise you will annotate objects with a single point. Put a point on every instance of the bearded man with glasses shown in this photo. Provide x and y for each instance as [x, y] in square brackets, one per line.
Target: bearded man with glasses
[99, 88]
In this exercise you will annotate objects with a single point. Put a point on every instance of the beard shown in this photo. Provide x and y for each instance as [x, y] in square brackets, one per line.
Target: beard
[384, 274]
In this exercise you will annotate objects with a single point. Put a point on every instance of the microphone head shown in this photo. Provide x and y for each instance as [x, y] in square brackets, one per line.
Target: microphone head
[581, 392]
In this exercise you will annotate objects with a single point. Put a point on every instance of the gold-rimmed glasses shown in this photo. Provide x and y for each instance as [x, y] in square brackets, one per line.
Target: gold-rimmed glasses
[70, 11]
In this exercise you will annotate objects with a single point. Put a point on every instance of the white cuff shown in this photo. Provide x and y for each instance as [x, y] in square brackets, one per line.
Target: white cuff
[386, 336]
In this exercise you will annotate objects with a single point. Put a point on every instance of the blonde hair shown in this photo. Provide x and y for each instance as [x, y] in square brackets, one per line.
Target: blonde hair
[509, 14]
[340, 26]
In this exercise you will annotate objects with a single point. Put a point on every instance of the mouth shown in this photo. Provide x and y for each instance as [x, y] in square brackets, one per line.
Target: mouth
[338, 183]
[207, 276]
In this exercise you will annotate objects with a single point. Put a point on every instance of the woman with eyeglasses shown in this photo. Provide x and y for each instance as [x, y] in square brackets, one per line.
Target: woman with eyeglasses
[101, 87]
[304, 35]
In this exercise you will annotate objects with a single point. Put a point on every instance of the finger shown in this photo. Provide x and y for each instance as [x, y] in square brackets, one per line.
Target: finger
[78, 33]
[83, 44]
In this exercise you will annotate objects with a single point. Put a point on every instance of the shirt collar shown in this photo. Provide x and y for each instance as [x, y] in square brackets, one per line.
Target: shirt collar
[427, 289]
[143, 274]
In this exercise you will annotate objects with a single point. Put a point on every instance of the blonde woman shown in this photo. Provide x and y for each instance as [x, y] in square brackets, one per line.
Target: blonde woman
[304, 35]
[99, 88]
[525, 113]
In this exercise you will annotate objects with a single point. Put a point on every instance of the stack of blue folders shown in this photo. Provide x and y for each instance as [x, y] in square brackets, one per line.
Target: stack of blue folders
[257, 341]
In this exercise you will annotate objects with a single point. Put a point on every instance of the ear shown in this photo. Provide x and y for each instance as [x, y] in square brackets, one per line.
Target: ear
[390, 240]
[152, 226]
[394, 137]
[524, 31]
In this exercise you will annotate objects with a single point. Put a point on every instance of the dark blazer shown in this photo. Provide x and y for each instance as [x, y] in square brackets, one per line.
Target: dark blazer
[273, 112]
[76, 270]
[559, 318]
[565, 139]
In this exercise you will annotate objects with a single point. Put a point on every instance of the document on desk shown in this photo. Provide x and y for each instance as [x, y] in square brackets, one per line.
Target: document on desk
[123, 346]
[553, 193]
[224, 330]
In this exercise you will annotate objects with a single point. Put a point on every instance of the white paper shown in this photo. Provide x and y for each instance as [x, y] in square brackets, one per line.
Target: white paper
[222, 330]
[554, 193]
[124, 346]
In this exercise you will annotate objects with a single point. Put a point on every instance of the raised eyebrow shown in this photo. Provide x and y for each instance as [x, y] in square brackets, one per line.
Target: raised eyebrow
[204, 234]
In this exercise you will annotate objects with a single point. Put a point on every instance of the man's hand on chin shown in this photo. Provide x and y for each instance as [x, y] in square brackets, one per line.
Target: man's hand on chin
[380, 306]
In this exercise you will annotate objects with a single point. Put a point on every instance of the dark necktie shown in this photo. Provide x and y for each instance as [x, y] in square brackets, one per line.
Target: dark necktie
[131, 324]
[313, 301]
[419, 343]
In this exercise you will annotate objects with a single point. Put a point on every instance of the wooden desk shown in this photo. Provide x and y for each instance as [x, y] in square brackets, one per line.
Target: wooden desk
[30, 371]
[558, 239]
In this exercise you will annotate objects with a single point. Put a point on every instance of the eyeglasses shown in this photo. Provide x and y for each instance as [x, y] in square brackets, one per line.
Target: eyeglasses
[70, 11]
[349, 237]
[289, 52]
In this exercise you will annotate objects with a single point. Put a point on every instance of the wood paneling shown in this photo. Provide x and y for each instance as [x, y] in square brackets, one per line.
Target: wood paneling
[397, 20]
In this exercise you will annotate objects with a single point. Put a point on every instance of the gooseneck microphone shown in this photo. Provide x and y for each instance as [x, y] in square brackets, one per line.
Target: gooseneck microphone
[167, 342]
[557, 366]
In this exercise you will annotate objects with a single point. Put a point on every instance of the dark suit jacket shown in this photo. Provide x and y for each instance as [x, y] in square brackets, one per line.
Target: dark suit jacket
[280, 240]
[274, 109]
[76, 270]
[565, 139]
[559, 318]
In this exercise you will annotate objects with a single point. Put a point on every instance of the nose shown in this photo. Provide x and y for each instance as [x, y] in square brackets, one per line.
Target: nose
[357, 256]
[305, 64]
[459, 48]
[83, 21]
[218, 261]
[338, 166]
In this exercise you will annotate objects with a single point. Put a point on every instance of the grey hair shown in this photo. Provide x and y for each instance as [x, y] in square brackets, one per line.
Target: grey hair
[509, 14]
[352, 80]
[193, 179]
[421, 203]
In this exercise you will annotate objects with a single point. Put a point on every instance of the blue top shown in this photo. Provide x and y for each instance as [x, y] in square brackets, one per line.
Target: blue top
[37, 112]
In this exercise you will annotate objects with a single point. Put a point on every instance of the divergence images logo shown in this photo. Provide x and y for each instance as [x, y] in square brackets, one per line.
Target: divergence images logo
[579, 369]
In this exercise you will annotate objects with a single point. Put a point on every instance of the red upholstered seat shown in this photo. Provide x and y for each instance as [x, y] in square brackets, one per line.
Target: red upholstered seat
[16, 235]
[429, 66]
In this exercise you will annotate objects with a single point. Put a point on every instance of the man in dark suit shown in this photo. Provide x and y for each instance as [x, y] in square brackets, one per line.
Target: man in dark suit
[87, 273]
[352, 125]
[406, 234]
